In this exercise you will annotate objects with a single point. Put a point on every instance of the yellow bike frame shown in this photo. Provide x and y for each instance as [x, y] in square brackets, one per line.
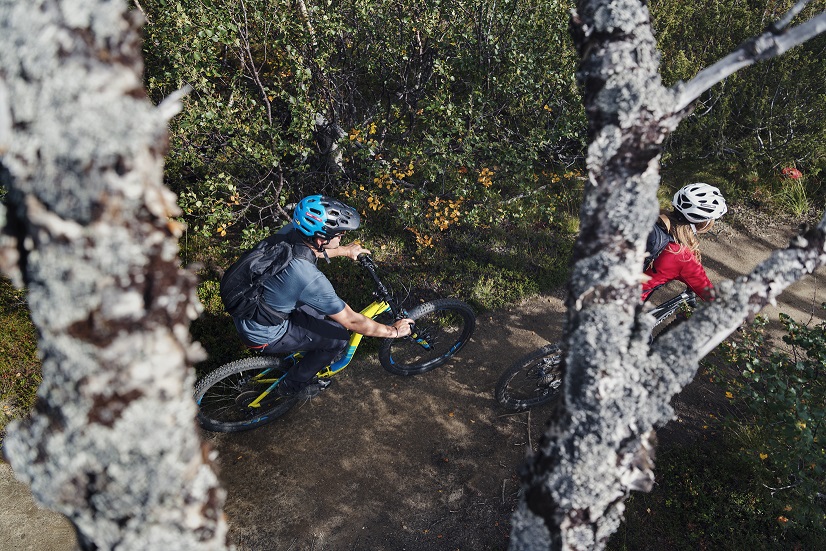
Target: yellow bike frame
[371, 311]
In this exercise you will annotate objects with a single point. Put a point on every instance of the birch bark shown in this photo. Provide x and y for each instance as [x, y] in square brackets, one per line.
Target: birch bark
[89, 229]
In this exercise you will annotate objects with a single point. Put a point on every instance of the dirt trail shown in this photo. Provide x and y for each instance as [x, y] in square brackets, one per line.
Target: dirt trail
[429, 462]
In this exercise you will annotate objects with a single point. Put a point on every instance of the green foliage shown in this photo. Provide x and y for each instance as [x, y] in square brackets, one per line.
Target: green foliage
[438, 118]
[754, 478]
[250, 113]
[404, 105]
[784, 397]
[762, 118]
[477, 99]
[707, 498]
[19, 363]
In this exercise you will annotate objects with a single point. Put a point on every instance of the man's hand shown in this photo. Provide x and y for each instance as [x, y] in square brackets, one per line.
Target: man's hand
[353, 250]
[333, 248]
[402, 326]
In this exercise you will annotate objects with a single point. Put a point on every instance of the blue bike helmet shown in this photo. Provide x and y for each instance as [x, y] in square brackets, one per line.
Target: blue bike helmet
[322, 216]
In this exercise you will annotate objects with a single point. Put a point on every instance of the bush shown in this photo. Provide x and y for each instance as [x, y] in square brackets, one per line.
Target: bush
[755, 478]
[703, 499]
[783, 396]
[423, 112]
[761, 117]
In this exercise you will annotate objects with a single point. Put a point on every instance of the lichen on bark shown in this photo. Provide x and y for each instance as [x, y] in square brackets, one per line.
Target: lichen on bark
[112, 442]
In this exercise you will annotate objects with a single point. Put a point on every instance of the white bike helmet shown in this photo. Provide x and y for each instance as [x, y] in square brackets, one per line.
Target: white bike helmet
[699, 202]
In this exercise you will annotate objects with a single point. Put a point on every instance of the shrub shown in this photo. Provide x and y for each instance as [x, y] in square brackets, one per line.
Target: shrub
[781, 431]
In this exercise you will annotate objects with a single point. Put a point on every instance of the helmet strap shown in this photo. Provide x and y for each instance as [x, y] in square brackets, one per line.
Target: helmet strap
[322, 250]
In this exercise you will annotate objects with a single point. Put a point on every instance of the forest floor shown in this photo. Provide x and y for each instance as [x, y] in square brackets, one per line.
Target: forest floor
[381, 462]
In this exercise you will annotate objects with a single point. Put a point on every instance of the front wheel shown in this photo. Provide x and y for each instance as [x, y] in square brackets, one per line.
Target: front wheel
[225, 397]
[533, 380]
[442, 328]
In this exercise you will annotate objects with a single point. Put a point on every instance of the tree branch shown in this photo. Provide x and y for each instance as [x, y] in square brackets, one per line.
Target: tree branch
[243, 31]
[737, 300]
[140, 8]
[772, 43]
[305, 18]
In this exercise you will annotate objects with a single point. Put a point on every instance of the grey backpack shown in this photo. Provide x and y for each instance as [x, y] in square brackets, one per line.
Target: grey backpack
[242, 285]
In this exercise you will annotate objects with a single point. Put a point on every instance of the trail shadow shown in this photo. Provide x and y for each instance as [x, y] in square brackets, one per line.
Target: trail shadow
[731, 254]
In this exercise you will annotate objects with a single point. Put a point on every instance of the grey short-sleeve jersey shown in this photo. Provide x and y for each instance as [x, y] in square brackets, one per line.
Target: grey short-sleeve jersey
[300, 283]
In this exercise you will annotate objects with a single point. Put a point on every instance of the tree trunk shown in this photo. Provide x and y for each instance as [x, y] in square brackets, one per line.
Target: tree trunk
[112, 442]
[599, 445]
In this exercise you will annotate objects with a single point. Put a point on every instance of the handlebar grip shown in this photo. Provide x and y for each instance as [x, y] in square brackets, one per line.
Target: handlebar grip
[366, 261]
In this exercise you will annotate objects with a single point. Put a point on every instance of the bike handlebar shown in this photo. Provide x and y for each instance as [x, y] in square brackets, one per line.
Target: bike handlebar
[382, 292]
[687, 296]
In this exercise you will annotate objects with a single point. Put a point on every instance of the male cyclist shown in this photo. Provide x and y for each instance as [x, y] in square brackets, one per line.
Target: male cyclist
[318, 320]
[696, 207]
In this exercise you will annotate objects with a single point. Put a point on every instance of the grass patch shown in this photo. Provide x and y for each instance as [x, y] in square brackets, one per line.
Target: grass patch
[705, 498]
[793, 198]
[19, 363]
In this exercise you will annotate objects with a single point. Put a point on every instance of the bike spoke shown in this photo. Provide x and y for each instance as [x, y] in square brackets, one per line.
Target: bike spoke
[533, 380]
[223, 403]
[431, 340]
[442, 328]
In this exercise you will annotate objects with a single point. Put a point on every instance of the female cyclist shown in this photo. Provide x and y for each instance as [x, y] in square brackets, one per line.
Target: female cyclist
[696, 207]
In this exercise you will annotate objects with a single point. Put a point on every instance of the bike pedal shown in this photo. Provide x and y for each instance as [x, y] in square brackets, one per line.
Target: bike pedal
[314, 389]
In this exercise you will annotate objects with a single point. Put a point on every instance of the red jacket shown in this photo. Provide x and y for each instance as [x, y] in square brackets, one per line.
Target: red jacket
[676, 262]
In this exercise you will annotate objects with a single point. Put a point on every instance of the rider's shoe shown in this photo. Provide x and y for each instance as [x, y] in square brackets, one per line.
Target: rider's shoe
[305, 393]
[313, 389]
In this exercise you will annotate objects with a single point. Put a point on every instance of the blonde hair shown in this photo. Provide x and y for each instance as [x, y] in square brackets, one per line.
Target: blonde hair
[681, 231]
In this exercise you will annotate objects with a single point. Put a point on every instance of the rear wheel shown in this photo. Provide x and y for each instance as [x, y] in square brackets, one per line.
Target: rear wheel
[224, 395]
[442, 328]
[533, 380]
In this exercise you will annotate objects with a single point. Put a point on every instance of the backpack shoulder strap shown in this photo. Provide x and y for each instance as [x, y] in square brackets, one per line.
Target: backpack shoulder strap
[300, 250]
[658, 240]
[665, 223]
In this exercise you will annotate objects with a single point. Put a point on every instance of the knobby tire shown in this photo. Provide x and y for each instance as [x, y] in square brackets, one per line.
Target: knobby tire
[223, 394]
[534, 379]
[442, 328]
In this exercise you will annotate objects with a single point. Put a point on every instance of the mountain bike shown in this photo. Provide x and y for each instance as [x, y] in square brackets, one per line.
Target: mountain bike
[536, 378]
[237, 396]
